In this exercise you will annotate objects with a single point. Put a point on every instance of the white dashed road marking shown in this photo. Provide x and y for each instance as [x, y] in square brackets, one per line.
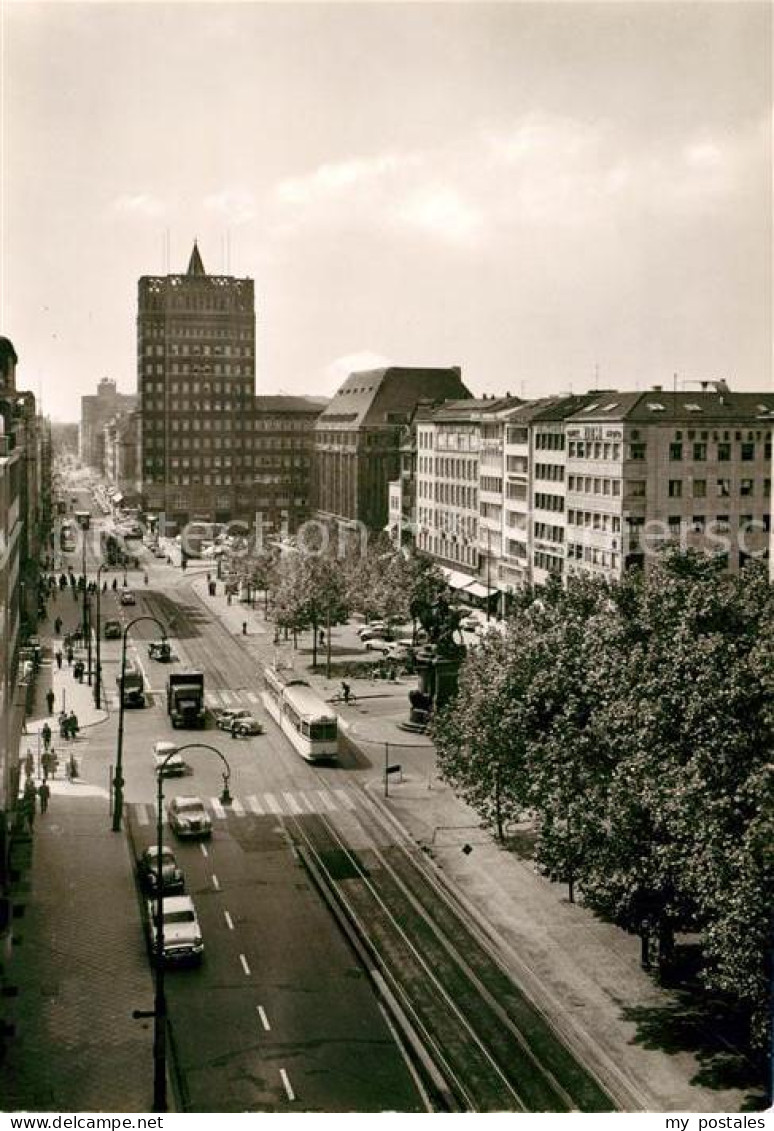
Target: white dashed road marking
[229, 920]
[327, 800]
[217, 808]
[237, 807]
[345, 799]
[215, 882]
[264, 1018]
[254, 804]
[290, 1093]
[245, 967]
[292, 804]
[204, 849]
[272, 804]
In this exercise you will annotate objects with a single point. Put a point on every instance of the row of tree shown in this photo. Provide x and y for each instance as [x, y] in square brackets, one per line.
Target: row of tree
[633, 724]
[309, 591]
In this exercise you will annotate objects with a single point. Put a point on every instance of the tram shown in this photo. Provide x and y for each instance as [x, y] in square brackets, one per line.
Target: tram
[302, 715]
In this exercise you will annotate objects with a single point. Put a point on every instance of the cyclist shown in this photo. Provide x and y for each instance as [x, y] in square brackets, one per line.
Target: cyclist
[346, 691]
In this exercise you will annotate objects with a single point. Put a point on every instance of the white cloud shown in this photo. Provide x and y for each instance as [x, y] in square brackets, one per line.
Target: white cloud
[138, 204]
[236, 205]
[338, 370]
[441, 211]
[336, 179]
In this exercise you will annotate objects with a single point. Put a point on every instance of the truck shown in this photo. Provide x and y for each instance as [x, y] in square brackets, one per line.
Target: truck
[185, 699]
[134, 687]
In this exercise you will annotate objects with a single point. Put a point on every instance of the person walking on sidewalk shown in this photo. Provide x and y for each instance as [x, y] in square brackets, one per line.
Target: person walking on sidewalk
[50, 700]
[57, 626]
[44, 792]
[58, 657]
[72, 720]
[64, 730]
[70, 655]
[45, 734]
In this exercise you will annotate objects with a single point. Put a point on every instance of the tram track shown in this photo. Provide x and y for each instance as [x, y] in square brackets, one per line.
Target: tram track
[486, 1041]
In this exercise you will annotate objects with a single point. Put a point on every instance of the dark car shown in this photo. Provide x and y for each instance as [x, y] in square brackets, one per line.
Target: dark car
[188, 817]
[113, 630]
[160, 650]
[172, 879]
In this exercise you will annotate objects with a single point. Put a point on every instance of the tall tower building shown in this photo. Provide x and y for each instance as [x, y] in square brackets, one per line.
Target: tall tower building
[196, 385]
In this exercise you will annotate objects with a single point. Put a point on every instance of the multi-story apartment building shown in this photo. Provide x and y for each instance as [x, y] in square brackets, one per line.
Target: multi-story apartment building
[508, 496]
[96, 410]
[358, 438]
[459, 490]
[648, 468]
[121, 446]
[209, 448]
[24, 514]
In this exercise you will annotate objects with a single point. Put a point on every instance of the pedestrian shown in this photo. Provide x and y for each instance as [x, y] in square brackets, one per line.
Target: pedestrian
[73, 721]
[50, 694]
[322, 637]
[45, 761]
[57, 626]
[28, 809]
[228, 598]
[78, 670]
[346, 691]
[64, 730]
[244, 628]
[29, 765]
[62, 581]
[115, 583]
[104, 586]
[44, 792]
[234, 728]
[72, 768]
[45, 734]
[70, 655]
[53, 762]
[58, 658]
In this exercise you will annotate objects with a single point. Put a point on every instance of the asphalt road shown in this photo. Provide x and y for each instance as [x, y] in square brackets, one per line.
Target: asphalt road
[279, 1016]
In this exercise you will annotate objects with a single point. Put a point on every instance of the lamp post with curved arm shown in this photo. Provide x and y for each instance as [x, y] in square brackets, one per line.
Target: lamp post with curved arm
[160, 1001]
[98, 668]
[118, 780]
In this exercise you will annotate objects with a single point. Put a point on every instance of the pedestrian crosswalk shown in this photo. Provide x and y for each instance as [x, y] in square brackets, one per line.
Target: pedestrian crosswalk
[282, 803]
[215, 700]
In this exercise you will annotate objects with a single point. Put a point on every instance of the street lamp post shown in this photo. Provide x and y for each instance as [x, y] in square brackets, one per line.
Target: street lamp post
[118, 780]
[84, 617]
[98, 669]
[160, 1001]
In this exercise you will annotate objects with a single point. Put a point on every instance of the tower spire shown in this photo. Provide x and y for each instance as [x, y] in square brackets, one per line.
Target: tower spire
[195, 265]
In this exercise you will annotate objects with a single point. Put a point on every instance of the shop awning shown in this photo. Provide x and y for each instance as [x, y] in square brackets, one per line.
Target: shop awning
[476, 589]
[456, 579]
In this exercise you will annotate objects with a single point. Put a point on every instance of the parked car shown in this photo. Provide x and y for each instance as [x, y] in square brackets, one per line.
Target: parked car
[182, 934]
[172, 879]
[246, 722]
[165, 755]
[470, 623]
[376, 644]
[398, 652]
[113, 630]
[188, 817]
[375, 628]
[374, 633]
[128, 597]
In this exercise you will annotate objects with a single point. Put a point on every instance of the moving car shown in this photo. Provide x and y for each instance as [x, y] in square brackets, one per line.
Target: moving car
[246, 722]
[160, 650]
[113, 630]
[188, 817]
[376, 628]
[172, 879]
[165, 755]
[128, 598]
[377, 644]
[182, 934]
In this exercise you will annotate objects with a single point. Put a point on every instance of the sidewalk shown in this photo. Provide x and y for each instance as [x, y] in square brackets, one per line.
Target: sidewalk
[583, 973]
[78, 964]
[75, 964]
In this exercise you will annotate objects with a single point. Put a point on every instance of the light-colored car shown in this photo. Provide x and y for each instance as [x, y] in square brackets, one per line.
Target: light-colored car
[398, 652]
[246, 722]
[375, 628]
[172, 879]
[128, 597]
[167, 760]
[470, 623]
[188, 817]
[376, 644]
[182, 934]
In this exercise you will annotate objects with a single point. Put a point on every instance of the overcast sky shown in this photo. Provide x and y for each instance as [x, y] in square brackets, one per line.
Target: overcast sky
[535, 192]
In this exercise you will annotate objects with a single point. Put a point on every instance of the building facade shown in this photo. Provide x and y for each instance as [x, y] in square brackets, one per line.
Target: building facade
[96, 410]
[25, 525]
[208, 447]
[596, 483]
[358, 439]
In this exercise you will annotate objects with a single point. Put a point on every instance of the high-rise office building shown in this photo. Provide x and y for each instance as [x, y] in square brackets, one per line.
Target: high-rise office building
[196, 384]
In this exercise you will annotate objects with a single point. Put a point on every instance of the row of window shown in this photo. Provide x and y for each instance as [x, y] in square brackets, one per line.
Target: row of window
[491, 483]
[448, 467]
[177, 349]
[186, 369]
[185, 330]
[596, 449]
[593, 520]
[594, 485]
[549, 441]
[548, 533]
[697, 451]
[592, 555]
[554, 472]
[548, 562]
[546, 502]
